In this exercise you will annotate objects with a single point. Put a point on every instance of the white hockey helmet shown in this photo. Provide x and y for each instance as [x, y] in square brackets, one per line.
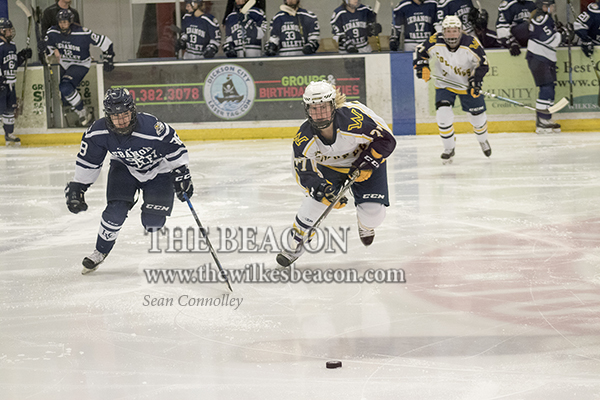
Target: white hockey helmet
[353, 4]
[318, 93]
[452, 30]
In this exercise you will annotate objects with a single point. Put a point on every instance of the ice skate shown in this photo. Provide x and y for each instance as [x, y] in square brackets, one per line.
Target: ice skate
[545, 126]
[11, 140]
[85, 117]
[288, 257]
[485, 147]
[447, 156]
[92, 262]
[365, 234]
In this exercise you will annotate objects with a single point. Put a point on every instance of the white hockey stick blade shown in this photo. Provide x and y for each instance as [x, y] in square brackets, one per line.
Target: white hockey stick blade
[376, 8]
[288, 9]
[248, 6]
[562, 103]
[24, 8]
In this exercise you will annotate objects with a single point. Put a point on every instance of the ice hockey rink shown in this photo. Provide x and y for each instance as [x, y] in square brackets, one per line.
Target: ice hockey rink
[501, 301]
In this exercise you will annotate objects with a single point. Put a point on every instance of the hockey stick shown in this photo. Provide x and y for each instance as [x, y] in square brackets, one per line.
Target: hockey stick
[288, 9]
[330, 207]
[48, 74]
[562, 103]
[245, 10]
[597, 74]
[212, 250]
[20, 102]
[570, 66]
[376, 11]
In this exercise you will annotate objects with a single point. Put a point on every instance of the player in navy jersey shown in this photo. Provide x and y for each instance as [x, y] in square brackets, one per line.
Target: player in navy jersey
[461, 60]
[413, 22]
[337, 139]
[513, 24]
[70, 43]
[145, 155]
[587, 27]
[487, 37]
[200, 32]
[294, 31]
[460, 8]
[541, 59]
[9, 62]
[244, 32]
[352, 23]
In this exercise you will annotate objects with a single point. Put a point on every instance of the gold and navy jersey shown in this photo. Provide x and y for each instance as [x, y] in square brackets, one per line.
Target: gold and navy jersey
[356, 128]
[456, 65]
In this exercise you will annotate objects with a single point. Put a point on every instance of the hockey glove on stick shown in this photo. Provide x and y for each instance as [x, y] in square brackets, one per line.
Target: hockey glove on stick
[374, 29]
[210, 51]
[422, 67]
[513, 47]
[394, 44]
[108, 57]
[587, 48]
[325, 193]
[366, 162]
[24, 55]
[474, 88]
[75, 198]
[310, 48]
[229, 50]
[182, 182]
[270, 49]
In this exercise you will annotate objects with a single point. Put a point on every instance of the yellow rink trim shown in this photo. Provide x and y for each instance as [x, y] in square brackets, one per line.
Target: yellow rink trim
[567, 125]
[188, 135]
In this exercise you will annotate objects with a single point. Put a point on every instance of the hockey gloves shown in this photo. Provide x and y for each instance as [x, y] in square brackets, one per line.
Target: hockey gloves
[587, 48]
[373, 29]
[210, 51]
[24, 55]
[182, 182]
[513, 46]
[180, 43]
[394, 44]
[366, 162]
[75, 198]
[310, 48]
[108, 57]
[474, 88]
[325, 193]
[422, 67]
[229, 50]
[270, 49]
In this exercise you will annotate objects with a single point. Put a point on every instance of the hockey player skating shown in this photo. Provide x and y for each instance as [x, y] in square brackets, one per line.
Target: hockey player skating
[413, 22]
[337, 139]
[70, 43]
[587, 27]
[512, 25]
[244, 31]
[465, 63]
[146, 155]
[352, 23]
[541, 59]
[460, 8]
[10, 60]
[294, 31]
[200, 32]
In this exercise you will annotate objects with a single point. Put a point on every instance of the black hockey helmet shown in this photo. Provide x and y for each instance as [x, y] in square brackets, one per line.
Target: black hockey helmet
[65, 15]
[194, 3]
[479, 18]
[7, 29]
[119, 101]
[541, 3]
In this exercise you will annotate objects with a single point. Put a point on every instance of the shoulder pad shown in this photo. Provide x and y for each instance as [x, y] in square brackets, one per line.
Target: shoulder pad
[434, 38]
[303, 136]
[593, 6]
[540, 18]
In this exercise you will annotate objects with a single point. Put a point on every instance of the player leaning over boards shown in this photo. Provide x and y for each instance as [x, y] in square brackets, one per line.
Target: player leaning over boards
[512, 25]
[70, 43]
[9, 62]
[459, 58]
[200, 32]
[337, 139]
[294, 31]
[541, 59]
[244, 31]
[146, 155]
[412, 22]
[352, 23]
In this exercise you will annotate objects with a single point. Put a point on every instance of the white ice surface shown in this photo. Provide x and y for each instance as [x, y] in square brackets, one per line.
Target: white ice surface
[501, 300]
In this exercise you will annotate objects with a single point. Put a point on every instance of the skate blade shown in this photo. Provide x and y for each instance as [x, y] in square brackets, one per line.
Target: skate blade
[444, 162]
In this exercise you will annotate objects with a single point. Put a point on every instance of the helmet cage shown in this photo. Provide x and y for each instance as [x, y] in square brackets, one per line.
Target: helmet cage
[118, 101]
[319, 93]
[452, 21]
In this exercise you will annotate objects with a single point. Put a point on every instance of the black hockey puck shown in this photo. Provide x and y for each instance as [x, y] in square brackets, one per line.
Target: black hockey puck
[333, 364]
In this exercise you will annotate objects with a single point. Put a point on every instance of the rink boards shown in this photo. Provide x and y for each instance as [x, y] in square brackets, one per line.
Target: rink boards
[262, 98]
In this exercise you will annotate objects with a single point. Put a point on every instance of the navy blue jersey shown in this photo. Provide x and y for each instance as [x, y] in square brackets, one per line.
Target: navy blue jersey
[356, 128]
[512, 13]
[152, 148]
[460, 8]
[199, 32]
[587, 24]
[488, 39]
[415, 21]
[246, 31]
[10, 61]
[351, 28]
[543, 37]
[74, 48]
[290, 33]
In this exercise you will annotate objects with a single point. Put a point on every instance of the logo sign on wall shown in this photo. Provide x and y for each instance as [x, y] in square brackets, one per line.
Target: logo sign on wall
[229, 91]
[247, 90]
